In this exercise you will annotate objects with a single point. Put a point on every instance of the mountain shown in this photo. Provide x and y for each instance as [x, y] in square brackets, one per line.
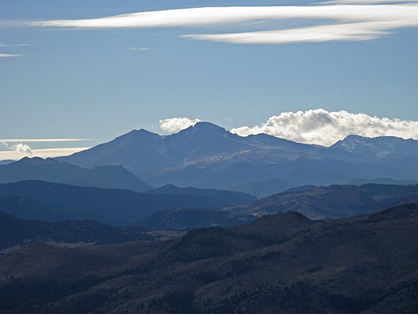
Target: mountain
[208, 156]
[55, 171]
[31, 209]
[5, 162]
[110, 206]
[14, 232]
[336, 201]
[264, 188]
[383, 180]
[284, 263]
[190, 218]
[231, 198]
[376, 148]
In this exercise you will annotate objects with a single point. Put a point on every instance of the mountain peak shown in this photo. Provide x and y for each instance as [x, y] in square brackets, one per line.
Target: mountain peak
[142, 132]
[206, 129]
[207, 125]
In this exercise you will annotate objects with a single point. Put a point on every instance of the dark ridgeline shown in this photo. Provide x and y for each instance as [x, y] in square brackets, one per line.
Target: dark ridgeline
[283, 263]
[51, 170]
[37, 200]
[174, 208]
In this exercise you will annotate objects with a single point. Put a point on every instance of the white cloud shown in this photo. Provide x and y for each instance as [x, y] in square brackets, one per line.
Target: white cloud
[340, 21]
[228, 15]
[314, 34]
[172, 125]
[321, 127]
[137, 49]
[43, 153]
[13, 45]
[9, 55]
[22, 148]
[42, 140]
[17, 149]
[368, 1]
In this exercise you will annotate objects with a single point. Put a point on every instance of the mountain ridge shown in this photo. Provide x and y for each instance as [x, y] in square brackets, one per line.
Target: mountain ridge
[116, 207]
[199, 155]
[52, 170]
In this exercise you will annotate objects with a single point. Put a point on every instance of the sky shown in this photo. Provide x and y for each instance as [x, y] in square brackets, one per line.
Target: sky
[74, 74]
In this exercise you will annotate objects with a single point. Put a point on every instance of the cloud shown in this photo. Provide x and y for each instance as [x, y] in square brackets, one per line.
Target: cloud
[321, 127]
[43, 153]
[17, 148]
[9, 55]
[137, 49]
[172, 125]
[42, 140]
[315, 34]
[358, 2]
[13, 45]
[364, 25]
[340, 20]
[23, 149]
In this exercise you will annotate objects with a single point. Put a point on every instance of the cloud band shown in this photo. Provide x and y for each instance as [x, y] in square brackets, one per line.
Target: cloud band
[325, 128]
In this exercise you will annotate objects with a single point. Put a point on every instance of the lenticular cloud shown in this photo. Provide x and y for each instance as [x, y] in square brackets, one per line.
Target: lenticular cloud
[321, 127]
[177, 124]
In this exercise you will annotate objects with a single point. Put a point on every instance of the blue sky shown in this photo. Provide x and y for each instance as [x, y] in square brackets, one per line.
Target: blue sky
[97, 83]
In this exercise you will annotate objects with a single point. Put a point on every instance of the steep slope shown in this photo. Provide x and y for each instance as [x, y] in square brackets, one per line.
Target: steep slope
[337, 201]
[55, 171]
[111, 206]
[278, 264]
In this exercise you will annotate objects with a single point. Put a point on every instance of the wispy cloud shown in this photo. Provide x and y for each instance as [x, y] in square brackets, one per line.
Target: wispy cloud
[363, 25]
[315, 34]
[340, 20]
[176, 124]
[137, 48]
[9, 55]
[23, 151]
[43, 140]
[13, 45]
[18, 148]
[322, 127]
[368, 1]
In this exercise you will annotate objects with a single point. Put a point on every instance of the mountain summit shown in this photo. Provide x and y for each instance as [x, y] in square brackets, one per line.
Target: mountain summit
[208, 156]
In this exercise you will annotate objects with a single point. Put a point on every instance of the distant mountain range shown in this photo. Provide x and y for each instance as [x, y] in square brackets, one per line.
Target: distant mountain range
[50, 170]
[279, 264]
[208, 156]
[336, 201]
[38, 200]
